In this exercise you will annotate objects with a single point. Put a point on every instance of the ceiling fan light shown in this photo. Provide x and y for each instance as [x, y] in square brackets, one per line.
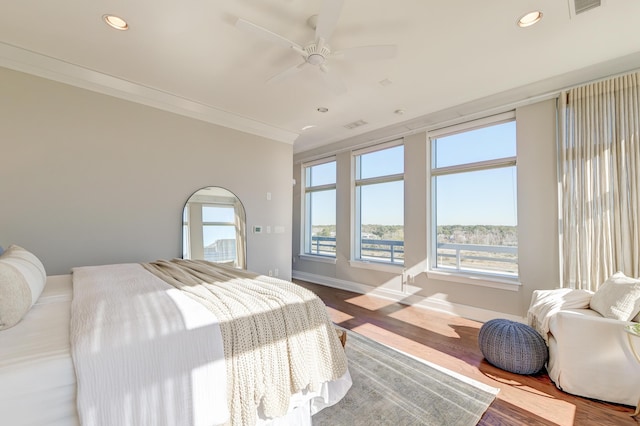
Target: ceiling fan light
[529, 19]
[315, 59]
[116, 22]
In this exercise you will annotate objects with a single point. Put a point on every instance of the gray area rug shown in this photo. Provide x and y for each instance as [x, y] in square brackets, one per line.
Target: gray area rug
[391, 388]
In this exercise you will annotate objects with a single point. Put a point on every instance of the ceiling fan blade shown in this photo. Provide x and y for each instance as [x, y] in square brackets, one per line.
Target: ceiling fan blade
[268, 35]
[287, 73]
[335, 83]
[366, 53]
[328, 18]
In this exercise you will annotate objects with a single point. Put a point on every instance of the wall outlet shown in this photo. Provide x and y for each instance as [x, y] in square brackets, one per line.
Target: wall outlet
[275, 272]
[270, 273]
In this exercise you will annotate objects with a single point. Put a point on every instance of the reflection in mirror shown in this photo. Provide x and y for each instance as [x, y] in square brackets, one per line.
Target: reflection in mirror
[214, 227]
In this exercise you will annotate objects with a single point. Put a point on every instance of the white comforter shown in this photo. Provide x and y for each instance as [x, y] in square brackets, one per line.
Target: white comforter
[148, 347]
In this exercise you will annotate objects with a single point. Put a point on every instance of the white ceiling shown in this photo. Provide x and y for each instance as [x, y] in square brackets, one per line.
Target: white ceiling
[188, 56]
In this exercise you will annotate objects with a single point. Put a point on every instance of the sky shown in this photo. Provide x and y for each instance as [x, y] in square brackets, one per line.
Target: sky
[485, 197]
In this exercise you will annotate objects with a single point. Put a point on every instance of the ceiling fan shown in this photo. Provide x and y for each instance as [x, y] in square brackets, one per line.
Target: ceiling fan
[318, 52]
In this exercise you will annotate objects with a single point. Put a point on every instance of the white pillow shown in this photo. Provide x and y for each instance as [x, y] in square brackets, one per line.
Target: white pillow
[618, 298]
[22, 278]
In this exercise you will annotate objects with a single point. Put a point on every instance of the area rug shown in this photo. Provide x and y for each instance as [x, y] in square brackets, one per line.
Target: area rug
[391, 388]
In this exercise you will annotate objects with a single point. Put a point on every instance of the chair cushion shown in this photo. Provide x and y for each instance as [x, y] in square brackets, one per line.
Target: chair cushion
[513, 346]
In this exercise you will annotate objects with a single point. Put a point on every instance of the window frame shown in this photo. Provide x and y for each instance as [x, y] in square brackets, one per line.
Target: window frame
[306, 238]
[483, 278]
[356, 234]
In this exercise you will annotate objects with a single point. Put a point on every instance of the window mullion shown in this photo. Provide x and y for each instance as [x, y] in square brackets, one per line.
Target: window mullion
[472, 167]
[320, 188]
[380, 179]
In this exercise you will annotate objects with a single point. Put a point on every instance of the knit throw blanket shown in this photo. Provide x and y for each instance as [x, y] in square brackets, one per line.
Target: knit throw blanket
[546, 303]
[278, 337]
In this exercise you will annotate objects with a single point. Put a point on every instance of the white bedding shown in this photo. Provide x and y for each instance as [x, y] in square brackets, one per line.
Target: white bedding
[37, 378]
[137, 342]
[37, 381]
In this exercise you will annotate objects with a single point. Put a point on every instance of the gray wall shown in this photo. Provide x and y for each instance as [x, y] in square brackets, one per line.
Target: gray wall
[88, 179]
[537, 223]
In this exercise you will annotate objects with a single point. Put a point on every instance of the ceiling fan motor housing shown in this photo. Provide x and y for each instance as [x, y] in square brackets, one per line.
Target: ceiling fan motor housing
[316, 56]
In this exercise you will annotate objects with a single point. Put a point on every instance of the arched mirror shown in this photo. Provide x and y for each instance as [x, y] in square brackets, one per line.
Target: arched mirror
[214, 227]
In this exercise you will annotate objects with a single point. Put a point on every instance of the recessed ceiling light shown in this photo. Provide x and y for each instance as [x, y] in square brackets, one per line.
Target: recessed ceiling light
[399, 111]
[116, 22]
[323, 109]
[529, 19]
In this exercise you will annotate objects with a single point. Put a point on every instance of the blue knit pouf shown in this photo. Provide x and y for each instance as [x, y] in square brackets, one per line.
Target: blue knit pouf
[512, 346]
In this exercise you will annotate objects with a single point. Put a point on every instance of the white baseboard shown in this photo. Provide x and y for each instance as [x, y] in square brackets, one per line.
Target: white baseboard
[465, 311]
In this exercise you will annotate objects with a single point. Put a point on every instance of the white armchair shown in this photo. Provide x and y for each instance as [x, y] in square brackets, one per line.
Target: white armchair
[591, 356]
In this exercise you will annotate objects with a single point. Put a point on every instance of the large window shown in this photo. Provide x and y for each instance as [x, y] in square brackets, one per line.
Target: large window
[474, 199]
[379, 204]
[319, 235]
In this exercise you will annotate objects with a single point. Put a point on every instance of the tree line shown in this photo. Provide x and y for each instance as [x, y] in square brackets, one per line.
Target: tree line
[458, 234]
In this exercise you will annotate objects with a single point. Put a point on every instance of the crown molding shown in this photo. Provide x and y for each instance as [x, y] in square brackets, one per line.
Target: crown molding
[22, 60]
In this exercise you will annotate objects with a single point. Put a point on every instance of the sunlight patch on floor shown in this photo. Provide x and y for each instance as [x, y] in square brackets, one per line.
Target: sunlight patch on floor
[369, 302]
[408, 315]
[556, 411]
[409, 346]
[338, 316]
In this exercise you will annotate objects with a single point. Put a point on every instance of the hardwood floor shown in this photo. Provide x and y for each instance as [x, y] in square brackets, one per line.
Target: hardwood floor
[452, 342]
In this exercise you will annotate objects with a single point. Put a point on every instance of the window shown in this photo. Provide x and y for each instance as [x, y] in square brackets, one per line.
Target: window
[474, 199]
[319, 236]
[379, 205]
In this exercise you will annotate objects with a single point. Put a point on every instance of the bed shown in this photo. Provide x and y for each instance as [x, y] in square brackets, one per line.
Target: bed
[116, 344]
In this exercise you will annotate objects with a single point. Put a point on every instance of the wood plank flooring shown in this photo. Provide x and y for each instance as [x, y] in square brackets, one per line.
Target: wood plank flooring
[452, 342]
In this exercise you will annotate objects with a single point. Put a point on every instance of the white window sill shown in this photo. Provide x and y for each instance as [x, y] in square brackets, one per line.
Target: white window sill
[377, 266]
[321, 259]
[512, 284]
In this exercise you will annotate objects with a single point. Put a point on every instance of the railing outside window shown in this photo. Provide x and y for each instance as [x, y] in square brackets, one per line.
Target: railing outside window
[457, 257]
[478, 257]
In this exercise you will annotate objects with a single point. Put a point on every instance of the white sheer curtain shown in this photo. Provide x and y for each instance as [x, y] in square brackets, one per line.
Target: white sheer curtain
[600, 173]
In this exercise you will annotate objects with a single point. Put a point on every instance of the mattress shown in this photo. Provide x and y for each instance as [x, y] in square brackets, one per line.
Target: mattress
[37, 379]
